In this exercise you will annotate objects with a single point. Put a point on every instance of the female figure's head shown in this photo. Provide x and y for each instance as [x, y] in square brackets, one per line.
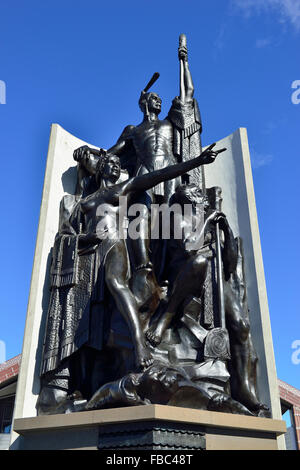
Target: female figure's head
[108, 168]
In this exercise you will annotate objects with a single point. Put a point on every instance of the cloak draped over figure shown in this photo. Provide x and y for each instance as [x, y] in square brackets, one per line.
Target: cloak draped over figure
[77, 282]
[187, 127]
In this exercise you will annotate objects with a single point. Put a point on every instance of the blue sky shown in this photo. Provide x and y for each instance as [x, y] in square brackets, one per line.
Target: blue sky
[83, 65]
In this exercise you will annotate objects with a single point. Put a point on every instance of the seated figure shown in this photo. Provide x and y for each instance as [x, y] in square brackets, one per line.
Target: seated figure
[187, 273]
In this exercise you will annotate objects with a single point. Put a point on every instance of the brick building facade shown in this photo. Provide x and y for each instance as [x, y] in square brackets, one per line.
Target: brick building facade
[9, 371]
[290, 400]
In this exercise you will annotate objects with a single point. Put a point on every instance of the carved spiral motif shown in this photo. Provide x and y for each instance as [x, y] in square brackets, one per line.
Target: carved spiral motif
[217, 344]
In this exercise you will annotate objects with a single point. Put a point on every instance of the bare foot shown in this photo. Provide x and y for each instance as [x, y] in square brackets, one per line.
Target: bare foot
[52, 400]
[264, 411]
[155, 333]
[152, 337]
[249, 400]
[143, 356]
[223, 402]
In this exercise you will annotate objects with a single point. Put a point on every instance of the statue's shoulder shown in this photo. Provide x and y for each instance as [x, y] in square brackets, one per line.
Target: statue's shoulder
[127, 132]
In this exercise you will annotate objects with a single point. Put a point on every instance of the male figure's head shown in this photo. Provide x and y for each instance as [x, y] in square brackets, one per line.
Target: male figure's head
[189, 194]
[150, 103]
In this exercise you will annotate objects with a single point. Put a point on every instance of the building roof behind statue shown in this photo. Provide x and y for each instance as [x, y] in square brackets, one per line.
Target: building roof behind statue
[10, 369]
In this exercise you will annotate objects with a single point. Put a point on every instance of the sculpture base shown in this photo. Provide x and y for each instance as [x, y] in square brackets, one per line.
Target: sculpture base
[151, 427]
[151, 435]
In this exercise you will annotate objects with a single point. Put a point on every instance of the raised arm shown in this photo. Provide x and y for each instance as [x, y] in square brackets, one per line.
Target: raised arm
[149, 180]
[186, 82]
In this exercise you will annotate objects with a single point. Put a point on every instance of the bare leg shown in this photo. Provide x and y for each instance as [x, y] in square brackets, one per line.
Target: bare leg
[189, 281]
[144, 285]
[243, 388]
[117, 282]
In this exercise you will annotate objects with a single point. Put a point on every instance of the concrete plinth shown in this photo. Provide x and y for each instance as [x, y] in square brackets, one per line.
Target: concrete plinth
[148, 427]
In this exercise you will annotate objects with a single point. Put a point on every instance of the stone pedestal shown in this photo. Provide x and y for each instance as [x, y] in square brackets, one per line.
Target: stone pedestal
[151, 427]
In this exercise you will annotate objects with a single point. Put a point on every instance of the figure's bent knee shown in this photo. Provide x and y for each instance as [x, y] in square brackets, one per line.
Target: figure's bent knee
[241, 328]
[200, 263]
[244, 327]
[115, 284]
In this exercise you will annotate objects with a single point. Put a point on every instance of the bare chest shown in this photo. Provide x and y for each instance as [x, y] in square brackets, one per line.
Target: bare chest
[154, 137]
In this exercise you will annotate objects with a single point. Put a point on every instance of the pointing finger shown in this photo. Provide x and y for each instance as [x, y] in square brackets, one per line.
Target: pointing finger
[210, 147]
[221, 150]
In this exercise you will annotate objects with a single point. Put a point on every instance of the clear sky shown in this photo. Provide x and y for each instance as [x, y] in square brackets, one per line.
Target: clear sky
[83, 64]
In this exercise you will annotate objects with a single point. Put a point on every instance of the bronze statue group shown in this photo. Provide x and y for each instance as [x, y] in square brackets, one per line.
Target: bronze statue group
[136, 321]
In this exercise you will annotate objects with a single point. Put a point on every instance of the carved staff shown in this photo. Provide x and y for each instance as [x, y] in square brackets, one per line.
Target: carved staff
[182, 43]
[221, 303]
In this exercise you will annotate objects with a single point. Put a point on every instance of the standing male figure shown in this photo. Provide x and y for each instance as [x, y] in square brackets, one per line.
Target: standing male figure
[152, 145]
[156, 144]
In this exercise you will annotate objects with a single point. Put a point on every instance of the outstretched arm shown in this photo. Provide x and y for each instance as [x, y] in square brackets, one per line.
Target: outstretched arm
[149, 180]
